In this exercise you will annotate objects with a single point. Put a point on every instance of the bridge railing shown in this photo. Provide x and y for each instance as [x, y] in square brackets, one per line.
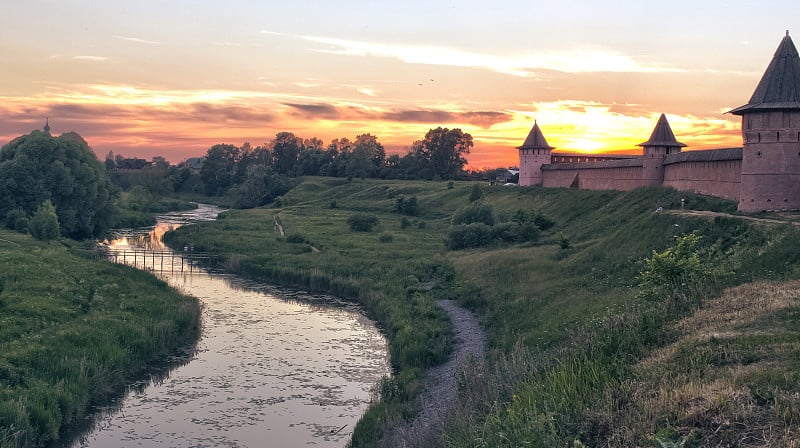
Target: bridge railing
[161, 260]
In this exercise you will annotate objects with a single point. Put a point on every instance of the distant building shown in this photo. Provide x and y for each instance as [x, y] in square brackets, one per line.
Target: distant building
[195, 163]
[763, 175]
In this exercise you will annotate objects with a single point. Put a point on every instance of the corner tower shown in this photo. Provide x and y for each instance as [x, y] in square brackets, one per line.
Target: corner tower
[771, 133]
[662, 143]
[534, 153]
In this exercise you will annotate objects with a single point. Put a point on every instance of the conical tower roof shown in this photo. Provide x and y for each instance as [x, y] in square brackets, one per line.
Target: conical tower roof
[535, 139]
[779, 88]
[662, 135]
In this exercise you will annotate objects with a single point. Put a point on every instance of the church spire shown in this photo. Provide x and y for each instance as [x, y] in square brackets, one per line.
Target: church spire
[47, 125]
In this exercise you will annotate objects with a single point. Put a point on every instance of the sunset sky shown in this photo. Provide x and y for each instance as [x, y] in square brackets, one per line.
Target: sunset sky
[172, 78]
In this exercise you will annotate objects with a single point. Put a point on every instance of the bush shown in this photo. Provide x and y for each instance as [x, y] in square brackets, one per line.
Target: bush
[475, 193]
[474, 213]
[406, 205]
[404, 223]
[16, 219]
[385, 237]
[44, 224]
[468, 236]
[362, 222]
[516, 232]
[295, 238]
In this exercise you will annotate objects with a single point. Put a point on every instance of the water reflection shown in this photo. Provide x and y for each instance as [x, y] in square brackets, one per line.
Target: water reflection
[272, 368]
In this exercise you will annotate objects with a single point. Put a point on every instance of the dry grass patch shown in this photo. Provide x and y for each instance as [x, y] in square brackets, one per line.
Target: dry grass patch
[730, 379]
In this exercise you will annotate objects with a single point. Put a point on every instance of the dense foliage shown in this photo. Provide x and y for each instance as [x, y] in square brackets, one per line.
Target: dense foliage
[38, 167]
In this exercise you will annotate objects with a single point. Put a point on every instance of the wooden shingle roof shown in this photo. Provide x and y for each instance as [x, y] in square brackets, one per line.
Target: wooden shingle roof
[662, 135]
[779, 88]
[535, 139]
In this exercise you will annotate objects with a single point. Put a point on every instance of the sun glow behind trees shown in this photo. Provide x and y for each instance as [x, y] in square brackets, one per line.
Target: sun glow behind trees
[145, 81]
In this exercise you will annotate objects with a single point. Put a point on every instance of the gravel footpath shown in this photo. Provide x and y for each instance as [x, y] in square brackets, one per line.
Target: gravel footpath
[440, 382]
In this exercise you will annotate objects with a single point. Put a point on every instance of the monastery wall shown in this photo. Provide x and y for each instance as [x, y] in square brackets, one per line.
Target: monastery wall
[713, 173]
[608, 175]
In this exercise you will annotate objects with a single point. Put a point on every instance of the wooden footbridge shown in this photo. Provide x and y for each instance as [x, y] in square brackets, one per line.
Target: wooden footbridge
[162, 260]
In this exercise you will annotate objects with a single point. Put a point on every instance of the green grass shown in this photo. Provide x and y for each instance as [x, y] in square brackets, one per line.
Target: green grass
[75, 330]
[567, 325]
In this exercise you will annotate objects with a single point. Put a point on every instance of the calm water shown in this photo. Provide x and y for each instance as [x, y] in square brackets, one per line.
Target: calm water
[272, 368]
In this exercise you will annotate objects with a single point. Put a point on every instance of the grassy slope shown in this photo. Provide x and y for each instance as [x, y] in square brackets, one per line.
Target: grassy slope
[74, 330]
[564, 322]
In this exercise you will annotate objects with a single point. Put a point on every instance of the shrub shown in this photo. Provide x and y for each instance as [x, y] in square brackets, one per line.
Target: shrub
[406, 205]
[362, 222]
[16, 219]
[468, 236]
[404, 223]
[475, 193]
[474, 213]
[516, 232]
[295, 238]
[563, 241]
[334, 204]
[385, 237]
[532, 216]
[450, 185]
[44, 224]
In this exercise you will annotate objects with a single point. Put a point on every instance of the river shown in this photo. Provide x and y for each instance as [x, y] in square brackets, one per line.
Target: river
[272, 367]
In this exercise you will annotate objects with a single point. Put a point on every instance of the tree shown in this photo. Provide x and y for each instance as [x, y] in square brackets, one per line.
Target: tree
[219, 169]
[445, 149]
[38, 167]
[44, 224]
[285, 150]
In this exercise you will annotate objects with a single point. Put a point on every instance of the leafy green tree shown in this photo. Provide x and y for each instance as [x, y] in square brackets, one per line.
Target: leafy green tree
[445, 149]
[44, 223]
[219, 169]
[39, 167]
[260, 187]
[285, 150]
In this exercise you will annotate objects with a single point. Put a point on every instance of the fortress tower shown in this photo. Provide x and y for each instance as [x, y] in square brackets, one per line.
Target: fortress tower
[771, 132]
[662, 143]
[534, 153]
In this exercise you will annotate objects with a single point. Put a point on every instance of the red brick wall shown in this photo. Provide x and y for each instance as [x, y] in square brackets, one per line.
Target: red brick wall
[713, 178]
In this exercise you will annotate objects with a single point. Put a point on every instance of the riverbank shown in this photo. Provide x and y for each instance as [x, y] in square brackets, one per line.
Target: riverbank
[75, 330]
[567, 312]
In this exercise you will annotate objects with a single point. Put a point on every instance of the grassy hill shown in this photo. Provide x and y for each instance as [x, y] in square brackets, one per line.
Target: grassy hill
[581, 338]
[75, 330]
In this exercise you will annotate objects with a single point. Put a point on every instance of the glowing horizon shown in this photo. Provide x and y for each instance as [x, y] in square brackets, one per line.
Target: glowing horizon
[147, 82]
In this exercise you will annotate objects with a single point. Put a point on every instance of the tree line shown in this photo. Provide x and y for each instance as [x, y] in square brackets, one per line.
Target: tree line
[60, 182]
[254, 170]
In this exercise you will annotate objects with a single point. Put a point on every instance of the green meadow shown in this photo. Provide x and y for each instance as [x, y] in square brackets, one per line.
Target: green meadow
[586, 314]
[76, 330]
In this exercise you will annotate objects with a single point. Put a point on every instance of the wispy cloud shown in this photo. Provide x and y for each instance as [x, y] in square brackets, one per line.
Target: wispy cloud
[137, 40]
[90, 58]
[581, 60]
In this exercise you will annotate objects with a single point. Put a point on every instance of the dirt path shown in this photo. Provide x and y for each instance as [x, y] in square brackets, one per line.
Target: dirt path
[440, 387]
[278, 226]
[708, 214]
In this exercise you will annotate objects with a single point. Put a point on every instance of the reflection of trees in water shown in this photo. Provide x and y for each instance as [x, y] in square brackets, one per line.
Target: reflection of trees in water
[154, 375]
[315, 302]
